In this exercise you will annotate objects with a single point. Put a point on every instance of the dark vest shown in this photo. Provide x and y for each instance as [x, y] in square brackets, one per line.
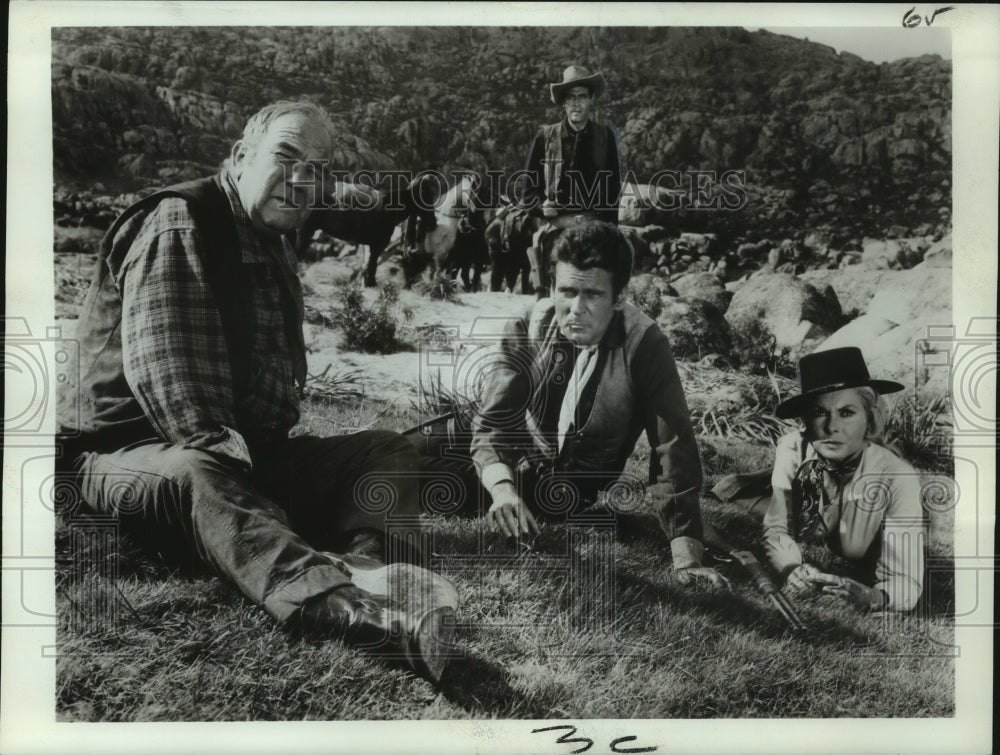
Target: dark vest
[602, 446]
[554, 158]
[108, 415]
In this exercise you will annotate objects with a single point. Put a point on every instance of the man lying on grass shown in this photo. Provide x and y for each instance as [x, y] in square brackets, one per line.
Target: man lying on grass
[192, 356]
[578, 378]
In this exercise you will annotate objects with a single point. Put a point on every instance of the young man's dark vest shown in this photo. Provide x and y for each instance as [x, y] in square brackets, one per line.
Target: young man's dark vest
[109, 415]
[553, 163]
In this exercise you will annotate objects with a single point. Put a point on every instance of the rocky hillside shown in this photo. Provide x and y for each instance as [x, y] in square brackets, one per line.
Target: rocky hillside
[829, 143]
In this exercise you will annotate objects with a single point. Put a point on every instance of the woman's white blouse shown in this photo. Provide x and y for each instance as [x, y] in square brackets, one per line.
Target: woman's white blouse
[883, 496]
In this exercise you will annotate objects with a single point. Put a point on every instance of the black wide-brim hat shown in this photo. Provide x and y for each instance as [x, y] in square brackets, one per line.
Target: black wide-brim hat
[832, 370]
[577, 76]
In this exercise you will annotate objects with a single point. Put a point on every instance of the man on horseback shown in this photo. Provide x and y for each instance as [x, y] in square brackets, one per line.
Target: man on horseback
[574, 170]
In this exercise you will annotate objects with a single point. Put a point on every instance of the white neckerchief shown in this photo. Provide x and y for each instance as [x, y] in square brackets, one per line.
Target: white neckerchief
[586, 362]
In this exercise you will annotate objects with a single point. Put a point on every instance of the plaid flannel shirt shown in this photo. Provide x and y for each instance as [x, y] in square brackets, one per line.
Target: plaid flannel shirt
[174, 348]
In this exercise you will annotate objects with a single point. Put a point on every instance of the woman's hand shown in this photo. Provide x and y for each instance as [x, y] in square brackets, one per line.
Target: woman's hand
[802, 577]
[859, 595]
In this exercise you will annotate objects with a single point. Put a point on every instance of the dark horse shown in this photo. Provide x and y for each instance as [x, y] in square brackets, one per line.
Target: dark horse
[374, 226]
[509, 236]
[470, 254]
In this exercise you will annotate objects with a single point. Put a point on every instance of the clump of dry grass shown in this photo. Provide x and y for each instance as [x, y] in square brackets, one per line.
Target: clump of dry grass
[442, 287]
[334, 386]
[920, 431]
[734, 405]
[436, 398]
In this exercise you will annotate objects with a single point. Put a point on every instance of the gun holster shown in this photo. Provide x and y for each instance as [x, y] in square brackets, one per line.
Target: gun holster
[530, 472]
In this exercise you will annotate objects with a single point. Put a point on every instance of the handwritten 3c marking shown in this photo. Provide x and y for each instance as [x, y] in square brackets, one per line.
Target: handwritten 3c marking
[569, 738]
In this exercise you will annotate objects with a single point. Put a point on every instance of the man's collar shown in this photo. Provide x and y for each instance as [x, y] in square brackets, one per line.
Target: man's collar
[614, 336]
[252, 245]
[566, 130]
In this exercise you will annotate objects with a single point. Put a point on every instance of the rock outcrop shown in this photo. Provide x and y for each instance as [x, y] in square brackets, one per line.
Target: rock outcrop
[794, 312]
[900, 315]
[739, 132]
[705, 286]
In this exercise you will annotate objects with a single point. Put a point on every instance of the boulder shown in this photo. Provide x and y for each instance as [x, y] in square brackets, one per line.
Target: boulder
[794, 312]
[653, 233]
[912, 250]
[695, 328]
[392, 270]
[753, 251]
[939, 254]
[922, 295]
[902, 253]
[705, 286]
[695, 244]
[879, 255]
[893, 352]
[647, 291]
[854, 286]
[899, 317]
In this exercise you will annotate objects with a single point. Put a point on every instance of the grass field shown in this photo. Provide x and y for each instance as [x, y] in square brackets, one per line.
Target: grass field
[139, 643]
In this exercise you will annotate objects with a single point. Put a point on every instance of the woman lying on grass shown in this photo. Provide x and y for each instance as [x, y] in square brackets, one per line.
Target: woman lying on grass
[834, 485]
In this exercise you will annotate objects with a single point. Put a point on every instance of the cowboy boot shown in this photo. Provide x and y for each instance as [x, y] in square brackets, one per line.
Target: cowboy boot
[400, 609]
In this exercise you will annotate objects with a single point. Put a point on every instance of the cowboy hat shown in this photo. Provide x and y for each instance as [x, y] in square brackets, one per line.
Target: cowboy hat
[577, 76]
[831, 370]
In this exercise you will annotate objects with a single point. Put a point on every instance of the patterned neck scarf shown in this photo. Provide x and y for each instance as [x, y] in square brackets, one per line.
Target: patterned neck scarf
[810, 491]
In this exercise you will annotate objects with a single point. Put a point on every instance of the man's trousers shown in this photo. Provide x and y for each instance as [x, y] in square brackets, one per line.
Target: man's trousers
[264, 529]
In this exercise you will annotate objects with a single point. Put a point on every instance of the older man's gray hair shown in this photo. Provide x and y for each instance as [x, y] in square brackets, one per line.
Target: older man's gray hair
[261, 121]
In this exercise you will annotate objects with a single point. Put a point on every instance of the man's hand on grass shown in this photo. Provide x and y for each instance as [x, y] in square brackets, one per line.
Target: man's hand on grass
[695, 575]
[509, 514]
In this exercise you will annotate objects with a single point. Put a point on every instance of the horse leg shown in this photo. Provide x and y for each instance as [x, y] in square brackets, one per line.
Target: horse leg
[527, 287]
[496, 268]
[374, 252]
[512, 267]
[464, 265]
[480, 259]
[477, 276]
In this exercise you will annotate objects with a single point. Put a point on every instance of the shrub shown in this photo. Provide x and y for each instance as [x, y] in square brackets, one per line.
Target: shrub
[755, 350]
[441, 286]
[370, 328]
[920, 431]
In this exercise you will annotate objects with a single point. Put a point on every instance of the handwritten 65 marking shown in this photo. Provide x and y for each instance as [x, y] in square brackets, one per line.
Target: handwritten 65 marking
[911, 19]
[570, 738]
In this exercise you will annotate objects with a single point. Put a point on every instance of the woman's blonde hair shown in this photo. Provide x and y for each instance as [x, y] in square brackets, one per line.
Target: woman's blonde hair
[875, 411]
